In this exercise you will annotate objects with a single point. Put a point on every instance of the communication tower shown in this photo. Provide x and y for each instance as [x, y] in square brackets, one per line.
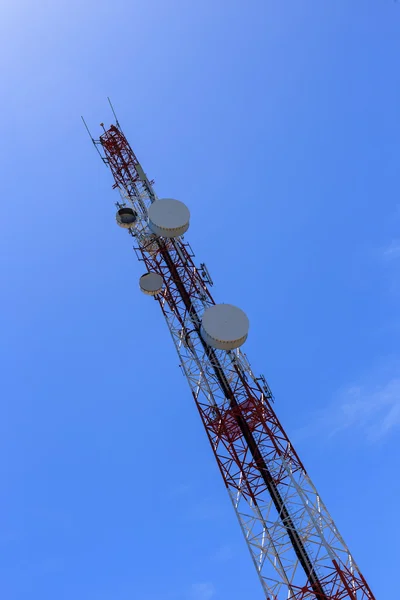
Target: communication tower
[295, 546]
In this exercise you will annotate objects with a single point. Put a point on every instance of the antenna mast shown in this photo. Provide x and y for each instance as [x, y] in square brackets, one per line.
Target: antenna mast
[294, 544]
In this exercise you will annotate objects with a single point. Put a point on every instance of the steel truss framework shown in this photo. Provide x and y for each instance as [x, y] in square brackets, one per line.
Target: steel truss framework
[295, 546]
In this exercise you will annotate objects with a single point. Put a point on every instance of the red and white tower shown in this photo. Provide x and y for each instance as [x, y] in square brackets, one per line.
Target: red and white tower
[296, 548]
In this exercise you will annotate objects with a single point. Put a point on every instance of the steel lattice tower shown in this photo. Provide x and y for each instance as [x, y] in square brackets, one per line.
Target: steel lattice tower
[295, 546]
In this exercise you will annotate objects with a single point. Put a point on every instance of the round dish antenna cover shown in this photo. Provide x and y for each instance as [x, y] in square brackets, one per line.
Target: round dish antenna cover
[168, 218]
[224, 326]
[126, 217]
[151, 283]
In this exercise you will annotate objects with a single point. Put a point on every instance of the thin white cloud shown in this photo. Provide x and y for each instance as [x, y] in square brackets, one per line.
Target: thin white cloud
[376, 411]
[202, 591]
[373, 411]
[392, 251]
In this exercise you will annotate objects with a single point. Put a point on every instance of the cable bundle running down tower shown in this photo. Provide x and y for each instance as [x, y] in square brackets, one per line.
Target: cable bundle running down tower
[295, 546]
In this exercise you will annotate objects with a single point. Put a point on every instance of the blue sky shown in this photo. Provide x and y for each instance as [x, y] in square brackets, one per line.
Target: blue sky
[277, 123]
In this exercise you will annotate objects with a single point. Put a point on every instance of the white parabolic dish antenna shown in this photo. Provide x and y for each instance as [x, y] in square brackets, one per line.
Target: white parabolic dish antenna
[224, 326]
[126, 217]
[168, 218]
[151, 283]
